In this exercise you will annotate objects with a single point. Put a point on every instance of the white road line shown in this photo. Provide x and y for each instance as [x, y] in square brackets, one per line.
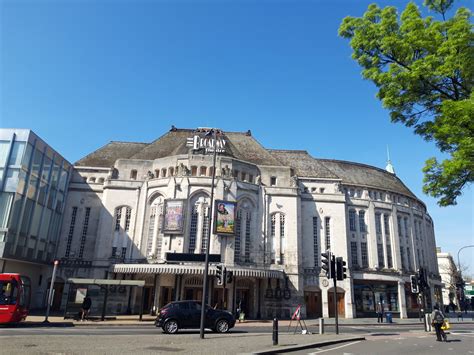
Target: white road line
[337, 347]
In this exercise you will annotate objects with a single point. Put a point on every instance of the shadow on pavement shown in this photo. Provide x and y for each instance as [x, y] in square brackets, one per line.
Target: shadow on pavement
[383, 334]
[38, 325]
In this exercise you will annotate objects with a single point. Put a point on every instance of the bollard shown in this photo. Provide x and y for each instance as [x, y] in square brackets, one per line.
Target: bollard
[275, 331]
[321, 325]
[427, 322]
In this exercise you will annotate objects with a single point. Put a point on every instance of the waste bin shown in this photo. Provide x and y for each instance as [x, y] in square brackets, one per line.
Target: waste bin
[388, 317]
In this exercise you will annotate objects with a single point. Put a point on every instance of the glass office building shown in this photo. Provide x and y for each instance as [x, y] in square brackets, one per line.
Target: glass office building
[33, 186]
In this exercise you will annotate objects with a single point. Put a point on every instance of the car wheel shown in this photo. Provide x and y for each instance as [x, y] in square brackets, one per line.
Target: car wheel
[170, 327]
[222, 326]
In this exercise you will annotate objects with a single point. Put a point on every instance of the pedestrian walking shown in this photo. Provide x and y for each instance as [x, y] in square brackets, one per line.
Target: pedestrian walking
[85, 308]
[437, 320]
[379, 310]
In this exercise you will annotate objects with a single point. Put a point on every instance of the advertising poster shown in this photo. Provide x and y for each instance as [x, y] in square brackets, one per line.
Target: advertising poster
[224, 217]
[173, 221]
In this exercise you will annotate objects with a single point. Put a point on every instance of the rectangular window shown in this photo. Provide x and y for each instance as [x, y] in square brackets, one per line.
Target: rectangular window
[84, 232]
[71, 232]
[118, 217]
[378, 224]
[327, 224]
[243, 176]
[128, 214]
[315, 242]
[407, 228]
[402, 257]
[386, 224]
[124, 253]
[282, 239]
[364, 253]
[114, 252]
[151, 231]
[273, 237]
[362, 228]
[247, 238]
[399, 225]
[17, 153]
[380, 255]
[273, 181]
[205, 230]
[408, 258]
[193, 230]
[352, 220]
[237, 237]
[389, 256]
[251, 178]
[354, 259]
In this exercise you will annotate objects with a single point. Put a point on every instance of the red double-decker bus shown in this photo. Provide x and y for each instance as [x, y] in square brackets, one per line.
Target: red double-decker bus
[15, 294]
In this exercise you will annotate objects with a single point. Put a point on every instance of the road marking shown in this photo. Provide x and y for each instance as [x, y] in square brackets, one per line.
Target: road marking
[337, 347]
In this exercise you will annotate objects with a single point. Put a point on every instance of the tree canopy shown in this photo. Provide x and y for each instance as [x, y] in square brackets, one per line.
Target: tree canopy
[424, 70]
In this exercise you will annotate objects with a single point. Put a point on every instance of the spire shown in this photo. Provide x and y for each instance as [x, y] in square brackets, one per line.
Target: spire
[389, 166]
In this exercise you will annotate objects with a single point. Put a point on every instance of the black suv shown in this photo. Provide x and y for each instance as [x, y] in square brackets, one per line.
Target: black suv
[187, 314]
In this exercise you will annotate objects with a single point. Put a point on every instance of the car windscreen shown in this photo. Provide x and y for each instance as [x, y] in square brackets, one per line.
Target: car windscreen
[8, 292]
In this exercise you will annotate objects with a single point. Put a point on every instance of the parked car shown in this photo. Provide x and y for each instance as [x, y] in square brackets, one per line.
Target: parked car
[187, 315]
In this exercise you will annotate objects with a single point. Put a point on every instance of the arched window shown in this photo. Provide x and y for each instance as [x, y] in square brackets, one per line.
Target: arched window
[163, 172]
[194, 170]
[277, 236]
[157, 173]
[238, 231]
[171, 171]
[133, 174]
[92, 179]
[210, 171]
[101, 180]
[202, 171]
[154, 236]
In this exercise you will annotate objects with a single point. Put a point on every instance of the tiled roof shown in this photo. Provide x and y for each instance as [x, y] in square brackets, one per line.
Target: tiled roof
[109, 153]
[366, 175]
[303, 163]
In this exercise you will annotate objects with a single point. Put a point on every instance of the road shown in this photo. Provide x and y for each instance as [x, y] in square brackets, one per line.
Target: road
[393, 339]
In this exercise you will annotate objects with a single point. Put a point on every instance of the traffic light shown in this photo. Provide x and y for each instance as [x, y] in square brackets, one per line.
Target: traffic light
[326, 263]
[229, 276]
[340, 268]
[220, 273]
[414, 284]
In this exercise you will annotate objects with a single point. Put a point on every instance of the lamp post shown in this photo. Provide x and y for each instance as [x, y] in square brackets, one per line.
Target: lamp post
[208, 236]
[461, 282]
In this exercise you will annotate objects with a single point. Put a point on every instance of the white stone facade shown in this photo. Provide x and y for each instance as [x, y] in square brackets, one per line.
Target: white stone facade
[290, 207]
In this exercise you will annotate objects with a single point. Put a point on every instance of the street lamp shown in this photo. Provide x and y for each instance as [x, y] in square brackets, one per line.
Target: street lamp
[212, 132]
[459, 264]
[460, 284]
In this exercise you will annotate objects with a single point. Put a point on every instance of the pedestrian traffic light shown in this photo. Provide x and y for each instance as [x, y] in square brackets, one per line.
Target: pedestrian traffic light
[326, 263]
[229, 276]
[220, 273]
[414, 284]
[341, 268]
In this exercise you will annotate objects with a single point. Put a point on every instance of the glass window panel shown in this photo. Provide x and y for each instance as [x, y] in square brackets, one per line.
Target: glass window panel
[46, 168]
[4, 146]
[35, 223]
[5, 204]
[32, 187]
[17, 153]
[27, 216]
[63, 180]
[1, 177]
[11, 180]
[15, 215]
[22, 176]
[55, 174]
[36, 166]
[27, 156]
[45, 223]
[42, 192]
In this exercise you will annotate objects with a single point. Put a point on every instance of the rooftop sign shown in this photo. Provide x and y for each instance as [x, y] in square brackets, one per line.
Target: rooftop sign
[206, 142]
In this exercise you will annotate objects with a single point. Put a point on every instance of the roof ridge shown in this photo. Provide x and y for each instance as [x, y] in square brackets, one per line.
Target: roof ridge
[290, 151]
[355, 163]
[128, 142]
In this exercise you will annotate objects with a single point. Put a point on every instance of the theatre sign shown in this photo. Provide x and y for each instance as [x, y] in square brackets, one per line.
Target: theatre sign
[205, 142]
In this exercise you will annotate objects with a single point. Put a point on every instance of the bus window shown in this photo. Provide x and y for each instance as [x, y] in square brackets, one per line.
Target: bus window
[8, 292]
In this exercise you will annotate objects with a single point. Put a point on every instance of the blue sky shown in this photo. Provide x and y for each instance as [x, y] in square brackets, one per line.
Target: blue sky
[82, 73]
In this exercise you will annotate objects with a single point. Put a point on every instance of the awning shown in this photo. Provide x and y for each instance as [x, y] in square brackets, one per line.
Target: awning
[101, 282]
[193, 270]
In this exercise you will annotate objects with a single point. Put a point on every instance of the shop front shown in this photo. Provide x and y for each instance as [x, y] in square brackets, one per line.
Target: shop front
[367, 293]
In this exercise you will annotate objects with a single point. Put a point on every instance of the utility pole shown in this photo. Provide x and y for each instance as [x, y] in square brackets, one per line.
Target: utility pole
[50, 295]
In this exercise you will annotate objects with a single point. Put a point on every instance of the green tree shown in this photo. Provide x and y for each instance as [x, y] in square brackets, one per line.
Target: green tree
[424, 70]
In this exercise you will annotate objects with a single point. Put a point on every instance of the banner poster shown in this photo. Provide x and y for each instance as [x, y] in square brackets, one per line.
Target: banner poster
[80, 295]
[224, 217]
[173, 221]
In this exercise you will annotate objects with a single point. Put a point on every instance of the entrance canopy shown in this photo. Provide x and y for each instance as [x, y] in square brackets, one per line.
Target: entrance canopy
[192, 270]
[103, 282]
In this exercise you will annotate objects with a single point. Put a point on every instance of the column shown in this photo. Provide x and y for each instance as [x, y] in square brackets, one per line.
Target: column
[325, 301]
[384, 239]
[349, 297]
[402, 303]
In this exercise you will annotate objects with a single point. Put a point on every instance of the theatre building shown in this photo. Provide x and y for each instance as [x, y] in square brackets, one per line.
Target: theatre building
[132, 206]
